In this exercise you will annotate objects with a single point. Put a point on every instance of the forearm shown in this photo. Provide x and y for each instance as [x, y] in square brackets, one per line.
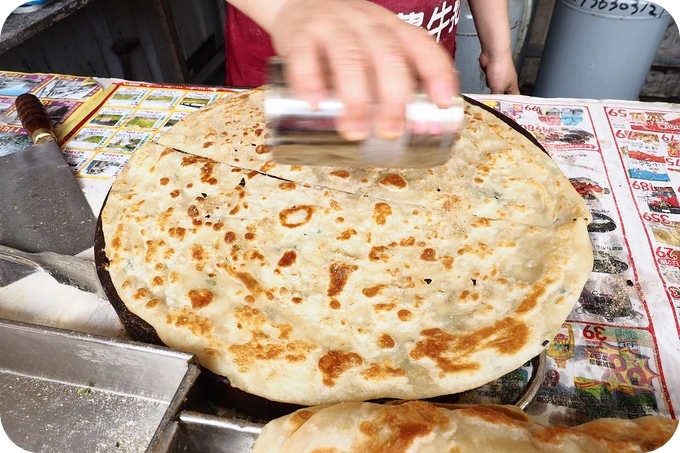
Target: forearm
[493, 25]
[262, 12]
[493, 29]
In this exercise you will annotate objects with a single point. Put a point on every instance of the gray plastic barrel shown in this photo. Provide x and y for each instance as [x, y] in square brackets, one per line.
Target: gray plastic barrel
[468, 47]
[600, 49]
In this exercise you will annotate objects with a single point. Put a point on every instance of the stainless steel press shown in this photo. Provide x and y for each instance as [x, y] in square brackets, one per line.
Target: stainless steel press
[300, 135]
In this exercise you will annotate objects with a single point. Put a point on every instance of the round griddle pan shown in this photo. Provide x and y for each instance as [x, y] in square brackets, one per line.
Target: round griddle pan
[219, 390]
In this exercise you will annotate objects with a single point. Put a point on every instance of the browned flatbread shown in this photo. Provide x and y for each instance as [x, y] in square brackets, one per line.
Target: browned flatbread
[315, 285]
[496, 172]
[423, 427]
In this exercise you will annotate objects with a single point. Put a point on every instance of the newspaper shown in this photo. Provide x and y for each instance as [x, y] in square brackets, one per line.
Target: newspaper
[617, 353]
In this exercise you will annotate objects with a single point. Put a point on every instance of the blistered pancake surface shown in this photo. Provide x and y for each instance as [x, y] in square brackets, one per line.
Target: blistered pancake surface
[315, 284]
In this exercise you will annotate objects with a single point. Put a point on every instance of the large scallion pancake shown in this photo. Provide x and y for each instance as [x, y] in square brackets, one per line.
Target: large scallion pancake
[422, 427]
[314, 285]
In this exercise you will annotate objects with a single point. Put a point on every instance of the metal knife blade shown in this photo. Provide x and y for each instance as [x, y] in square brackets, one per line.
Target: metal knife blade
[42, 207]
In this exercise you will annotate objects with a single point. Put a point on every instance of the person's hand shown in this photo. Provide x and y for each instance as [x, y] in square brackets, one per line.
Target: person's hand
[367, 55]
[501, 76]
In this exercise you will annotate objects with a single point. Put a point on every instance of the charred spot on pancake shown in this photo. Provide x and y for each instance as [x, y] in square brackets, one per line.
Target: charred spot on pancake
[381, 211]
[287, 186]
[537, 291]
[152, 248]
[448, 261]
[338, 276]
[450, 351]
[377, 253]
[229, 237]
[152, 303]
[482, 222]
[393, 180]
[191, 321]
[334, 363]
[373, 290]
[401, 425]
[341, 173]
[428, 254]
[267, 167]
[287, 259]
[439, 346]
[193, 211]
[296, 216]
[198, 252]
[347, 234]
[300, 417]
[405, 315]
[385, 341]
[250, 282]
[200, 298]
[383, 371]
[384, 307]
[211, 352]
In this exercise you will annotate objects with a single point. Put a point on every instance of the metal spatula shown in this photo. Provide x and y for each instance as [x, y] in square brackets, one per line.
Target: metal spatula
[65, 269]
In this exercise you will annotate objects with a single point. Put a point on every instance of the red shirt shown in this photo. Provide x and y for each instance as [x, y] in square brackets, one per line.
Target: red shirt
[248, 46]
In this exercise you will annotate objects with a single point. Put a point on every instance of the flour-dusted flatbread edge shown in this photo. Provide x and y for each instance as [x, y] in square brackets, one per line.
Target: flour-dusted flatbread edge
[422, 427]
[543, 310]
